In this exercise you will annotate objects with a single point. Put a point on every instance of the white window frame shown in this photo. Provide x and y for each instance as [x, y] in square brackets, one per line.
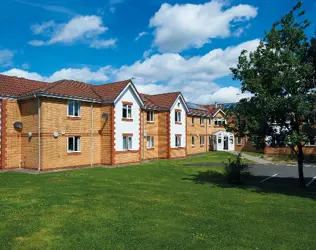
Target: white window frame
[221, 120]
[129, 113]
[202, 142]
[308, 143]
[78, 143]
[150, 116]
[150, 142]
[178, 141]
[202, 120]
[129, 142]
[73, 104]
[178, 116]
[209, 121]
[239, 143]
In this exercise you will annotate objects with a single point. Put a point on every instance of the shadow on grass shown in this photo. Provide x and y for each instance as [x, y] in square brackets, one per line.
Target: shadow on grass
[277, 185]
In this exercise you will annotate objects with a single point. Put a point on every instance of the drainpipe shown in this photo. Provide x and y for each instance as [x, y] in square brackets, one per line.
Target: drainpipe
[91, 136]
[143, 135]
[39, 132]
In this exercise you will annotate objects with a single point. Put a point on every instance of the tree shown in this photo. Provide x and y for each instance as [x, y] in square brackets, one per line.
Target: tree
[280, 76]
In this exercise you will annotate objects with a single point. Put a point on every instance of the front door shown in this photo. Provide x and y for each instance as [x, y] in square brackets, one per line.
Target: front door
[225, 142]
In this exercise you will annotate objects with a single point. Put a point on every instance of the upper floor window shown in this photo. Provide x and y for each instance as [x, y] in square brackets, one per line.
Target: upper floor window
[219, 122]
[202, 140]
[74, 108]
[178, 140]
[178, 116]
[150, 116]
[73, 144]
[209, 121]
[127, 111]
[127, 142]
[192, 120]
[202, 120]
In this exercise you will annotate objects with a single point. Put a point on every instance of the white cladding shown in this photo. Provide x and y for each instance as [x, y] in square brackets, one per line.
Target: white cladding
[178, 128]
[223, 140]
[127, 127]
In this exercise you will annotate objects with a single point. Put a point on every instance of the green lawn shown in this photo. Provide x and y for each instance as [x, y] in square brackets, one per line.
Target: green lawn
[155, 205]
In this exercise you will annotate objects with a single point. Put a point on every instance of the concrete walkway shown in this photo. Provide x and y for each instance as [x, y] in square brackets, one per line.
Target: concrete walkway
[252, 158]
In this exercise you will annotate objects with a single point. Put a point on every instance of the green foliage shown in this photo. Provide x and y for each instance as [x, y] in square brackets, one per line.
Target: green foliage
[280, 75]
[236, 171]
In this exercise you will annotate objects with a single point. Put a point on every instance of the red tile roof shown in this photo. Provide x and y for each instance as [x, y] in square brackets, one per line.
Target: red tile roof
[164, 101]
[17, 87]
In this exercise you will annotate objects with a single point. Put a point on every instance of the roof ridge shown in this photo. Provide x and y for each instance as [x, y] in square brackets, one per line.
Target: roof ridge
[110, 83]
[175, 92]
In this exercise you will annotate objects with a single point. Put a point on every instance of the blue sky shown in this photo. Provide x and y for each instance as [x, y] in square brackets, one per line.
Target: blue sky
[165, 46]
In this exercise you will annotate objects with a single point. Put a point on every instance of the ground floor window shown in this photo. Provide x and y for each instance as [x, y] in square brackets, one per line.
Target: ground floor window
[311, 141]
[74, 144]
[239, 140]
[202, 140]
[193, 141]
[178, 140]
[150, 142]
[127, 142]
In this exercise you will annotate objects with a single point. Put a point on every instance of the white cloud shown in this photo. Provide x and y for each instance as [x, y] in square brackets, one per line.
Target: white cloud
[24, 74]
[84, 74]
[100, 44]
[87, 29]
[36, 43]
[180, 27]
[195, 76]
[43, 27]
[6, 57]
[141, 34]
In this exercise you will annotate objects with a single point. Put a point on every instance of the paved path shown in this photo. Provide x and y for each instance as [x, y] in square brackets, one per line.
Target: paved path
[252, 158]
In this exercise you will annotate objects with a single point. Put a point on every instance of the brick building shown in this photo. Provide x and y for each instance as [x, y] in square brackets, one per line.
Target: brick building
[47, 126]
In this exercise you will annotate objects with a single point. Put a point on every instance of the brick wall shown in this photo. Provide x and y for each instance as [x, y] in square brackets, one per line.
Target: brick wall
[54, 152]
[158, 129]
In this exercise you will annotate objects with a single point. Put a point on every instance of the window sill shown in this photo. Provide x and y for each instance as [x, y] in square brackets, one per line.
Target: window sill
[150, 148]
[150, 122]
[74, 153]
[73, 117]
[179, 123]
[202, 146]
[127, 119]
[193, 146]
[202, 125]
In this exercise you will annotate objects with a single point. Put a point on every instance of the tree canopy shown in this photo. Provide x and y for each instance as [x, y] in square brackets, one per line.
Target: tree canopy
[280, 76]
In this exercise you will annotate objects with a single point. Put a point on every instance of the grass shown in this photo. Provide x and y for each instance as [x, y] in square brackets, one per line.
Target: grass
[155, 205]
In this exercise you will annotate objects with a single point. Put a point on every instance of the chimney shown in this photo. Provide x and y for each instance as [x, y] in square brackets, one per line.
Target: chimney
[216, 105]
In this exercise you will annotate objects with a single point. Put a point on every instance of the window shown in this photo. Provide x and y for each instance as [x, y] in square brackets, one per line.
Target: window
[74, 108]
[201, 120]
[209, 121]
[192, 120]
[219, 139]
[127, 111]
[127, 142]
[231, 139]
[150, 116]
[219, 122]
[178, 116]
[239, 140]
[311, 141]
[178, 140]
[150, 142]
[202, 140]
[193, 140]
[73, 144]
[255, 141]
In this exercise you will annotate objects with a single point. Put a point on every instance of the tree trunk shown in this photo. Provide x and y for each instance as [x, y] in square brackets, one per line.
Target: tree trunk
[300, 159]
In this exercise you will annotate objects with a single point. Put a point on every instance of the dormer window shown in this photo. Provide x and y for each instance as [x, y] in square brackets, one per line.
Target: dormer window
[219, 122]
[74, 108]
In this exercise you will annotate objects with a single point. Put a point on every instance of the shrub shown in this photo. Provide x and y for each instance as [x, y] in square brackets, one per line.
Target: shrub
[236, 171]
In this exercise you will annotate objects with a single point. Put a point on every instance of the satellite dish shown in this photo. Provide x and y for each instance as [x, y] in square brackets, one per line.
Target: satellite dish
[18, 125]
[105, 116]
